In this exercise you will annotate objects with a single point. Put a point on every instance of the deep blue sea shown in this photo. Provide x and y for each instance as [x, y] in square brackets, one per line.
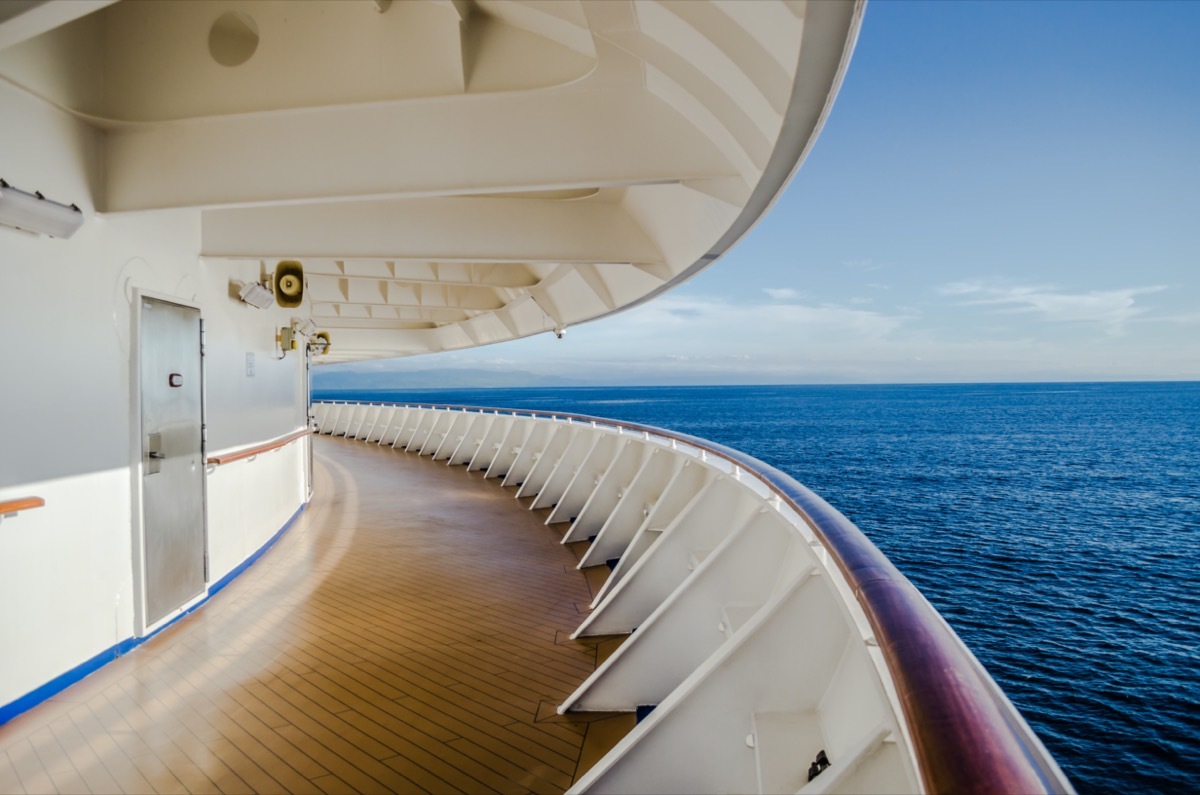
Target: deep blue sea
[1055, 526]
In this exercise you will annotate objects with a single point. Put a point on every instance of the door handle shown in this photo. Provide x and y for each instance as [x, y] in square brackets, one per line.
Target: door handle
[154, 453]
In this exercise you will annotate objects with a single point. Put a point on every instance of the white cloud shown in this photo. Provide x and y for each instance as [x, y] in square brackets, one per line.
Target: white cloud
[960, 288]
[1004, 335]
[783, 293]
[718, 319]
[1108, 308]
[1187, 319]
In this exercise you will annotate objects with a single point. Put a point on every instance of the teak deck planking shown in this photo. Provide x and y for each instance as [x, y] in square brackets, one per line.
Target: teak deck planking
[408, 633]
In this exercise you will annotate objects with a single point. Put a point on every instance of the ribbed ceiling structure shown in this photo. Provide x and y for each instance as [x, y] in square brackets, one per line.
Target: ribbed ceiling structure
[450, 173]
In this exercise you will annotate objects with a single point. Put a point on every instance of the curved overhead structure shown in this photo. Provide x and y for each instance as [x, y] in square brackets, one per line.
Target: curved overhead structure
[450, 173]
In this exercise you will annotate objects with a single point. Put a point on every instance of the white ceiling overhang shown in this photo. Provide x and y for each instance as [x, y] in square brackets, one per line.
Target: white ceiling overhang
[456, 172]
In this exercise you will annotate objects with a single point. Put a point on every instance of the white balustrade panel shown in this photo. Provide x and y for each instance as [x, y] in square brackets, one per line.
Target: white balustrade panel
[456, 434]
[437, 432]
[634, 507]
[546, 458]
[610, 488]
[518, 434]
[586, 478]
[528, 455]
[565, 468]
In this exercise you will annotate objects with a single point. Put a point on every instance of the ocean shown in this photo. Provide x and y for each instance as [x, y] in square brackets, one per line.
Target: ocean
[1055, 526]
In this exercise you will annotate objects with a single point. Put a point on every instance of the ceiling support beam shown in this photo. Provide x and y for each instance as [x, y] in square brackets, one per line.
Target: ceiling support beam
[591, 276]
[433, 314]
[463, 228]
[404, 281]
[472, 144]
[34, 19]
[468, 308]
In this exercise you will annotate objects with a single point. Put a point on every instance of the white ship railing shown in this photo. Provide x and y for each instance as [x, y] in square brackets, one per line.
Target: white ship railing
[769, 629]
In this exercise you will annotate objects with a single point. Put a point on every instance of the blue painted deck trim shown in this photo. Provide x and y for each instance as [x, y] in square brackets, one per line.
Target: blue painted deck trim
[63, 681]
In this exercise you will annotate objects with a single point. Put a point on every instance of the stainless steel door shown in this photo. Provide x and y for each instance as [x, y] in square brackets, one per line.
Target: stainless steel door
[172, 466]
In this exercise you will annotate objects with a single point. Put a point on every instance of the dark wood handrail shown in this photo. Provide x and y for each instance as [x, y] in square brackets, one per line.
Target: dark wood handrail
[266, 447]
[20, 504]
[967, 736]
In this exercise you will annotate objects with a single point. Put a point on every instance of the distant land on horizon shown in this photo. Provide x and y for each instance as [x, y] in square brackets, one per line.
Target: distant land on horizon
[449, 378]
[466, 378]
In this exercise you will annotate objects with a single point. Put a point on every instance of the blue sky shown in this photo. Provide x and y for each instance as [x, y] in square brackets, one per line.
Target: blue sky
[1005, 191]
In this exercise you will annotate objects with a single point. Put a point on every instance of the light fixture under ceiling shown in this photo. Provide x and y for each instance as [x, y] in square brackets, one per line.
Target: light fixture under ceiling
[256, 295]
[33, 212]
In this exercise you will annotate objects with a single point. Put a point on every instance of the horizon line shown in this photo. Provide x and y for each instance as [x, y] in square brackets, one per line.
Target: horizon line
[793, 384]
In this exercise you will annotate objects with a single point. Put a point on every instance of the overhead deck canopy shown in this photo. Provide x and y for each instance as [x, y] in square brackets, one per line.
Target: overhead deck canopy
[450, 173]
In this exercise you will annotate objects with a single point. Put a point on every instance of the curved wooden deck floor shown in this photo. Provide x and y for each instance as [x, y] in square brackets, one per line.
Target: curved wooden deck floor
[408, 633]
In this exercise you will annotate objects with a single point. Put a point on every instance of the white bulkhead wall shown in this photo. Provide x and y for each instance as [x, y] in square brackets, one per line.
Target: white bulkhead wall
[70, 417]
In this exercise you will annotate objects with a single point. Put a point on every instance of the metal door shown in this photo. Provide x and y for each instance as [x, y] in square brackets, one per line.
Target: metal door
[172, 463]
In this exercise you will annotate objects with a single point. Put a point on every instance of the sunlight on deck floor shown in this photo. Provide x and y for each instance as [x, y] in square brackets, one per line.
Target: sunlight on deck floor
[408, 633]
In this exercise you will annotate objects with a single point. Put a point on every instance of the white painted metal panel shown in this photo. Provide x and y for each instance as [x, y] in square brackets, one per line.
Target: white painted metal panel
[374, 415]
[684, 487]
[693, 621]
[354, 414]
[416, 417]
[511, 445]
[360, 413]
[546, 459]
[377, 423]
[566, 467]
[335, 418]
[437, 432]
[489, 443]
[249, 501]
[384, 425]
[421, 434]
[874, 764]
[540, 434]
[345, 417]
[608, 492]
[367, 423]
[717, 511]
[587, 478]
[321, 415]
[395, 428]
[455, 434]
[780, 663]
[634, 507]
[468, 443]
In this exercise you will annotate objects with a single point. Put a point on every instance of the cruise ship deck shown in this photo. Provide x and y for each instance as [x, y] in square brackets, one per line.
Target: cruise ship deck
[408, 633]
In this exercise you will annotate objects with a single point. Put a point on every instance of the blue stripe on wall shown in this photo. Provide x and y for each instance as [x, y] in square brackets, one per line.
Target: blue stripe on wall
[63, 681]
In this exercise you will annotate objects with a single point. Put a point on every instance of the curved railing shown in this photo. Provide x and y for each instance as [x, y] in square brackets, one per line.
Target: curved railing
[966, 735]
[258, 449]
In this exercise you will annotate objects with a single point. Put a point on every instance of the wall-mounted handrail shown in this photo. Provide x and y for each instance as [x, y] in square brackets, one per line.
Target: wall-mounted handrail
[266, 447]
[967, 736]
[9, 507]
